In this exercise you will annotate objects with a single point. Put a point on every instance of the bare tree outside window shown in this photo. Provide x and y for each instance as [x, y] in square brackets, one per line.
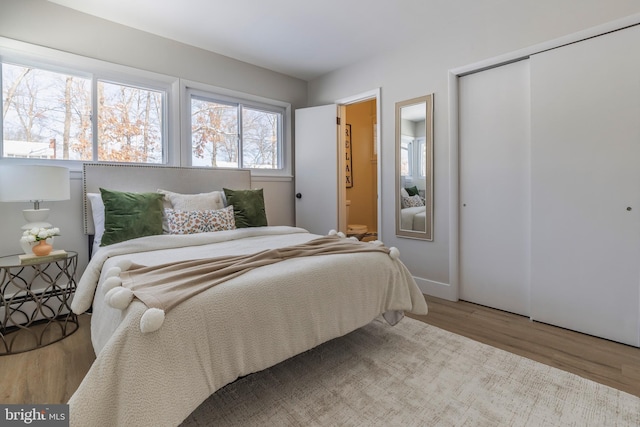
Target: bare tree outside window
[216, 140]
[260, 139]
[214, 133]
[45, 114]
[129, 124]
[48, 115]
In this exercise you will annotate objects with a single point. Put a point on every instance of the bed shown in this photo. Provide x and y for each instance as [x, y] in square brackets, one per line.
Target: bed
[413, 212]
[413, 218]
[242, 325]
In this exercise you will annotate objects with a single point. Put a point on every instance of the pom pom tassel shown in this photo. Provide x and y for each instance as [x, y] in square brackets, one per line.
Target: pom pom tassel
[340, 234]
[111, 283]
[151, 320]
[394, 253]
[119, 297]
[113, 272]
[124, 264]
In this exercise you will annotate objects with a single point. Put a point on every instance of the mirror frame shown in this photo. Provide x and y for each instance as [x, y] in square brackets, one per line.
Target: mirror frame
[428, 233]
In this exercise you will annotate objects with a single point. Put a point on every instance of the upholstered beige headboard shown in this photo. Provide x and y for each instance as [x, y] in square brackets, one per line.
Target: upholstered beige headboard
[140, 178]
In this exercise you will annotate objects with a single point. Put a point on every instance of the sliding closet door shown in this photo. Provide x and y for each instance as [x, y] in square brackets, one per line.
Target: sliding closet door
[494, 120]
[586, 186]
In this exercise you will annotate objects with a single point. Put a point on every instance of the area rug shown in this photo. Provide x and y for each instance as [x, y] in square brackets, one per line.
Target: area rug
[414, 374]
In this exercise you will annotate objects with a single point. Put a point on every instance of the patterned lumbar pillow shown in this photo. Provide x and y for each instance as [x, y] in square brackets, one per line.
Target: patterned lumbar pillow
[412, 201]
[191, 222]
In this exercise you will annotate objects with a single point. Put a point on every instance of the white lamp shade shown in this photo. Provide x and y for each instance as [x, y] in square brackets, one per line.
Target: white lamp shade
[24, 183]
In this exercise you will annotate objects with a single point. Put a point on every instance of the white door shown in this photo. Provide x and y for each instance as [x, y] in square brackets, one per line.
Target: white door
[494, 126]
[316, 168]
[586, 186]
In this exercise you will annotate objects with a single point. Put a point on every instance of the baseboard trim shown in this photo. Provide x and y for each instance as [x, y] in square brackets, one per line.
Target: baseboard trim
[436, 289]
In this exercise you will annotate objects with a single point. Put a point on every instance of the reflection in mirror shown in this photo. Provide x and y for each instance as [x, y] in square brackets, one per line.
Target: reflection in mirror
[414, 168]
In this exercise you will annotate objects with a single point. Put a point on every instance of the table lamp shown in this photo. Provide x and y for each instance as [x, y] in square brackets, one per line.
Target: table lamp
[34, 183]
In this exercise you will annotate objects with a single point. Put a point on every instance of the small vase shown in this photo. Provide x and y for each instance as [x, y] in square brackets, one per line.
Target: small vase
[27, 247]
[42, 249]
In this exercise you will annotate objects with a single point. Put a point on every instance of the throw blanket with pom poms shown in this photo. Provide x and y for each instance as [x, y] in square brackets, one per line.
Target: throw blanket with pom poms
[163, 287]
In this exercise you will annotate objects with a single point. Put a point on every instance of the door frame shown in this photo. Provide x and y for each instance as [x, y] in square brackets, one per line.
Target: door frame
[342, 198]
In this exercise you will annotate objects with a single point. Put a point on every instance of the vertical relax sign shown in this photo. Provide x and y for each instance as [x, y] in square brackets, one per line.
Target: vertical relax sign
[348, 163]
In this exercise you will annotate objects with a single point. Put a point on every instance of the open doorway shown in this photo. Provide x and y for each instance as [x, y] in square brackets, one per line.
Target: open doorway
[320, 165]
[360, 177]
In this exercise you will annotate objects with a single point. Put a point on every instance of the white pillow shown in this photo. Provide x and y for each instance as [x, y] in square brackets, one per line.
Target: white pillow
[404, 192]
[97, 210]
[194, 202]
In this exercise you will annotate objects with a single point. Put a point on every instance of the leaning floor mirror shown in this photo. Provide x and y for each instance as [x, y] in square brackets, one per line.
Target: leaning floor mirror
[414, 168]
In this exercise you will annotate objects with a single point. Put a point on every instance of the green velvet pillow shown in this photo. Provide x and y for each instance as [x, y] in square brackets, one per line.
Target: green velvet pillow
[412, 190]
[248, 207]
[130, 215]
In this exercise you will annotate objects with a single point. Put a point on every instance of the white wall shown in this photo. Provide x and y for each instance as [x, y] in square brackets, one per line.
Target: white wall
[420, 68]
[47, 24]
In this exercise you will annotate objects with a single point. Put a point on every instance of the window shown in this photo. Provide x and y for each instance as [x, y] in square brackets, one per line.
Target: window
[65, 108]
[406, 156]
[232, 133]
[129, 124]
[214, 134]
[422, 156]
[260, 130]
[48, 115]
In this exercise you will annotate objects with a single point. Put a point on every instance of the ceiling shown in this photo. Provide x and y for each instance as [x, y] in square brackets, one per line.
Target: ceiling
[300, 38]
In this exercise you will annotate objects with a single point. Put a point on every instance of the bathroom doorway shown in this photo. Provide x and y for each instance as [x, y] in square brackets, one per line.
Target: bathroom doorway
[361, 169]
[320, 165]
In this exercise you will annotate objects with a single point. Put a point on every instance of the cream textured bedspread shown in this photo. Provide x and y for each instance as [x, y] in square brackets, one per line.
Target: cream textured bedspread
[241, 326]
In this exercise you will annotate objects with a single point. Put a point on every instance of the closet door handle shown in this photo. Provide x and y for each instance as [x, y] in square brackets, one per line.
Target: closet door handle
[298, 196]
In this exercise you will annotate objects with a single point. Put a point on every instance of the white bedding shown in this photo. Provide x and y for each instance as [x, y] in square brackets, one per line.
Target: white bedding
[241, 326]
[414, 218]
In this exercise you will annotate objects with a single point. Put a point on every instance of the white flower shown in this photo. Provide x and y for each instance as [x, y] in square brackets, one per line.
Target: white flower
[36, 234]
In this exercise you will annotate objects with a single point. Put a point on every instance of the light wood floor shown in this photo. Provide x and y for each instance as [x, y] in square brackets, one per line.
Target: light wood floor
[51, 374]
[610, 363]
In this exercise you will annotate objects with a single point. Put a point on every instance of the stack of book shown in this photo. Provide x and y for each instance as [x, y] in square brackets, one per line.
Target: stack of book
[35, 259]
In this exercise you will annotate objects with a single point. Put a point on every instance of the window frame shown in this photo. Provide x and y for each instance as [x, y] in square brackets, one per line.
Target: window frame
[25, 54]
[420, 158]
[226, 96]
[24, 60]
[407, 144]
[120, 80]
[176, 122]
